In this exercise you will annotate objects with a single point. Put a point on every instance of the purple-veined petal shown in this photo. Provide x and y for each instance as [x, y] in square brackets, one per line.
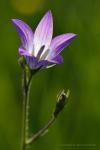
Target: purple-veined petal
[23, 52]
[43, 33]
[59, 43]
[25, 32]
[32, 62]
[43, 64]
[57, 60]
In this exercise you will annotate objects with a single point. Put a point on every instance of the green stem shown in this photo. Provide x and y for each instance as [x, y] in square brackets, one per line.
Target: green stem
[60, 104]
[41, 131]
[62, 100]
[26, 89]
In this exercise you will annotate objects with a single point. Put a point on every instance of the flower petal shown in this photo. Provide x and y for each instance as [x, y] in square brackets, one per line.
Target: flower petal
[57, 60]
[25, 32]
[32, 62]
[43, 33]
[59, 43]
[23, 52]
[43, 64]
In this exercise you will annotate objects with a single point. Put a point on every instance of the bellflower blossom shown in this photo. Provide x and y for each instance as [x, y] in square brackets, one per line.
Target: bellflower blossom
[38, 48]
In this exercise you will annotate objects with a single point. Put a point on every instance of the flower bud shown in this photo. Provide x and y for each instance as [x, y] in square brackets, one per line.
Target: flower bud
[61, 102]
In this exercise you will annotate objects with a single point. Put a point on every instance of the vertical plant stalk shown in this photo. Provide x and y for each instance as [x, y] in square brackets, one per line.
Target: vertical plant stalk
[26, 82]
[60, 104]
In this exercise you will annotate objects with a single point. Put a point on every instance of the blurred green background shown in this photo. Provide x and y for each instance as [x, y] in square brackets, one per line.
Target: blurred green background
[79, 123]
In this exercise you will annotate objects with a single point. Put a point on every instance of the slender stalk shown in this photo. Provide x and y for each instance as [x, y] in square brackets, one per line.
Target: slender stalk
[41, 131]
[25, 89]
[62, 100]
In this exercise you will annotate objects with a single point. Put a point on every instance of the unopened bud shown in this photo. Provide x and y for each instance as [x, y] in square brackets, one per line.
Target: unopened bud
[61, 102]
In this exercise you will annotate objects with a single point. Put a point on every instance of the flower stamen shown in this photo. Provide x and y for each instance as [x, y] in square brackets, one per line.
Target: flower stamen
[45, 54]
[40, 52]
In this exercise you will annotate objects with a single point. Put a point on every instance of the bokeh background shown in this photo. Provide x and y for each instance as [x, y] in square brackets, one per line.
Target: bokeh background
[79, 123]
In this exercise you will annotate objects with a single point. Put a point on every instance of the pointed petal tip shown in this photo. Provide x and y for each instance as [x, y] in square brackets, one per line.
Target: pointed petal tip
[49, 13]
[74, 35]
[15, 21]
[71, 35]
[43, 33]
[12, 20]
[49, 10]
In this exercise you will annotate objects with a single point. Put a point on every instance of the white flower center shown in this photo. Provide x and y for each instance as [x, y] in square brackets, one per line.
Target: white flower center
[42, 53]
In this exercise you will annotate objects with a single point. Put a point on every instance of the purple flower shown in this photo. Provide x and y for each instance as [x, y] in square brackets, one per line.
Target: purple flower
[39, 49]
